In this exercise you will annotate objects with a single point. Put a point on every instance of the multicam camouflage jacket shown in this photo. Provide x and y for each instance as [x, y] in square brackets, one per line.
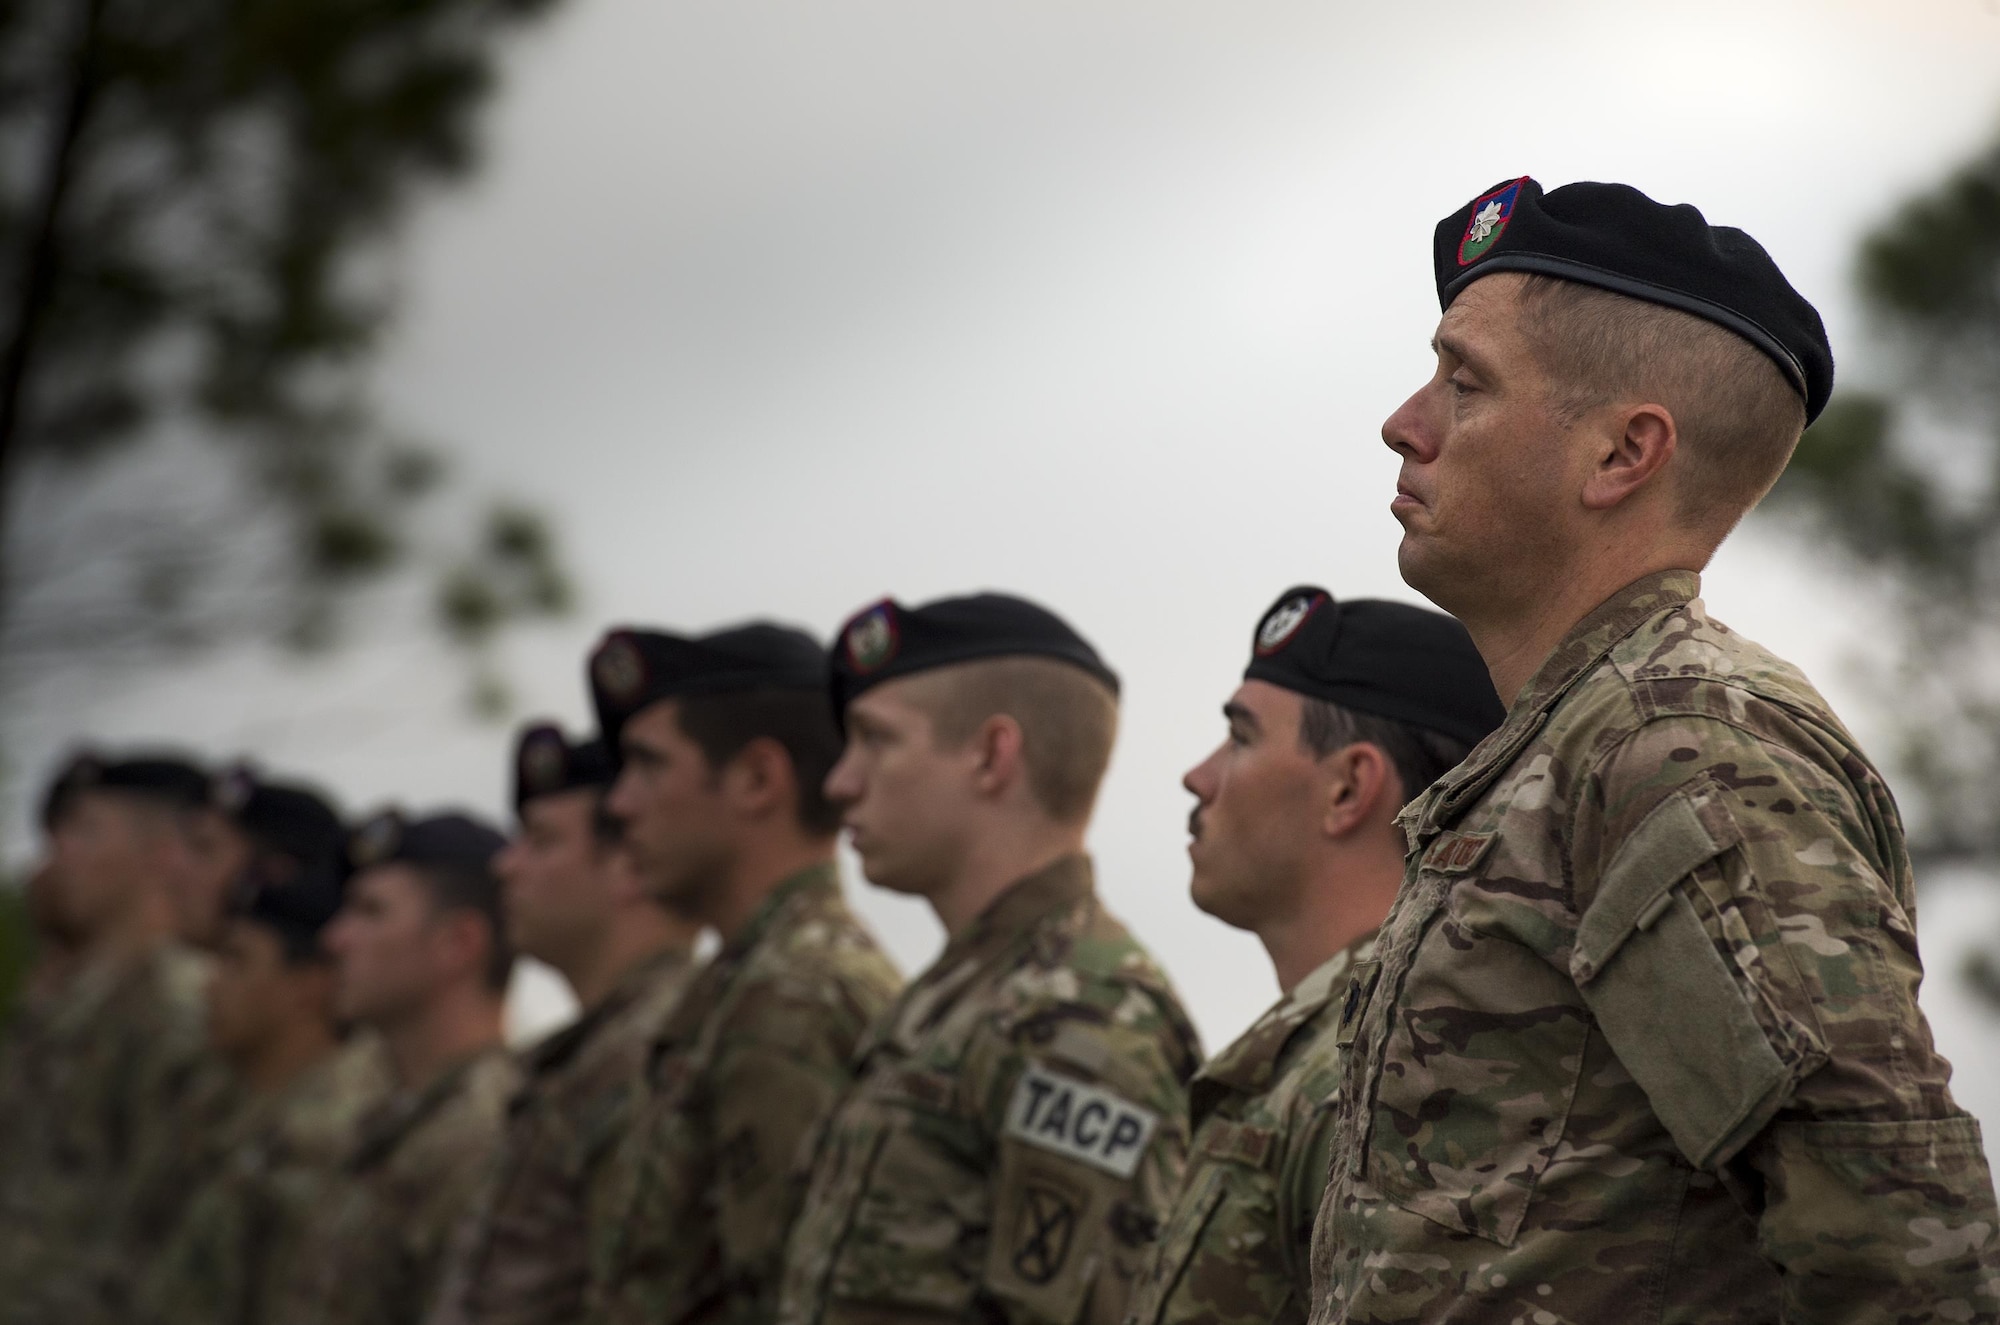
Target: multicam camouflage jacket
[105, 1079]
[523, 1254]
[1236, 1249]
[376, 1253]
[236, 1250]
[753, 1056]
[1018, 1129]
[1644, 1043]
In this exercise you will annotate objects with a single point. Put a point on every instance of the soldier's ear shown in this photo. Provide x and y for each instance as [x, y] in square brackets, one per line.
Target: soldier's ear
[1361, 781]
[1000, 758]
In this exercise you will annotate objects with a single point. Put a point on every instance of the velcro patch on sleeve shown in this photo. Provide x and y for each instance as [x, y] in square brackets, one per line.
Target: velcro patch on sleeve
[1080, 1121]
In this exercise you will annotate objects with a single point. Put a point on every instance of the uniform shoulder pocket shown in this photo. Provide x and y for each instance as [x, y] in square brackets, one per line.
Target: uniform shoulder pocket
[1674, 1010]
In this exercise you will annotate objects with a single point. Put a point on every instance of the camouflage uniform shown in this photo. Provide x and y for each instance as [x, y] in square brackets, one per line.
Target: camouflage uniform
[523, 1254]
[1018, 1129]
[1644, 1042]
[1237, 1245]
[754, 1055]
[237, 1248]
[106, 1077]
[375, 1254]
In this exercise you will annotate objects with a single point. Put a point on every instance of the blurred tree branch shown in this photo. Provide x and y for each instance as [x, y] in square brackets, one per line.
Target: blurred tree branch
[196, 204]
[1905, 480]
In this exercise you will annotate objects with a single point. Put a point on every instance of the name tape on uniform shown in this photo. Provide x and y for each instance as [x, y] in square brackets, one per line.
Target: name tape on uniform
[1080, 1121]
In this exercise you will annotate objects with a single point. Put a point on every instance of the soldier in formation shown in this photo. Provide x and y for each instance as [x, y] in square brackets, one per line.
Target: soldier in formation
[1593, 928]
[305, 1085]
[1018, 1128]
[573, 900]
[1643, 1041]
[1346, 710]
[724, 742]
[421, 960]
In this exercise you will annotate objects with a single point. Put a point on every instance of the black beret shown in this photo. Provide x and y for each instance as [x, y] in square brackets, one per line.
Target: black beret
[287, 819]
[887, 640]
[632, 669]
[1391, 660]
[296, 899]
[167, 779]
[1616, 238]
[547, 762]
[439, 839]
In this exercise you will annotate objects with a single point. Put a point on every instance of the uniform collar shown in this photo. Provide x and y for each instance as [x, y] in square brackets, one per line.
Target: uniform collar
[1007, 924]
[1582, 649]
[1250, 1066]
[405, 1110]
[1017, 911]
[819, 880]
[625, 991]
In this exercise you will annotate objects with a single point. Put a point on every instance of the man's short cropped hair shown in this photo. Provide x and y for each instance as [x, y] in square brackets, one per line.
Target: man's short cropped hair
[1738, 418]
[1420, 756]
[800, 721]
[1068, 720]
[454, 885]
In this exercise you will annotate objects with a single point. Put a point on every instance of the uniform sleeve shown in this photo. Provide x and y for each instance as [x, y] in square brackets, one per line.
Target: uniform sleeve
[1090, 1125]
[1747, 949]
[774, 1079]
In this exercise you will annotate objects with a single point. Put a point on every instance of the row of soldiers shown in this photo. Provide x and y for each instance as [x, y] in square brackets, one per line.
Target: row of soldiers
[329, 1130]
[1594, 930]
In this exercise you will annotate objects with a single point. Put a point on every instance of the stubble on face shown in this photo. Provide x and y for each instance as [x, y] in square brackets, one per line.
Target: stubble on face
[1255, 806]
[1484, 494]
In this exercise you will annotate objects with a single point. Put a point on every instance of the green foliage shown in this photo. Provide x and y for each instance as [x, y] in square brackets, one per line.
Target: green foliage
[1883, 475]
[196, 212]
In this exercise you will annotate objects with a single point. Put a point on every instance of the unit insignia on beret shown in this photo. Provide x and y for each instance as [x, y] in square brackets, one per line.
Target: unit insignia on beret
[1490, 215]
[233, 789]
[620, 671]
[871, 639]
[1282, 622]
[544, 761]
[376, 840]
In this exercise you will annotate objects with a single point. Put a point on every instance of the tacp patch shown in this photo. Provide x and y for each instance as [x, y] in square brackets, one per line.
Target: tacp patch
[1079, 1121]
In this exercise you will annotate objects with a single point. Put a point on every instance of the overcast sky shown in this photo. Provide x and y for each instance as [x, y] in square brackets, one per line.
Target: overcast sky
[780, 307]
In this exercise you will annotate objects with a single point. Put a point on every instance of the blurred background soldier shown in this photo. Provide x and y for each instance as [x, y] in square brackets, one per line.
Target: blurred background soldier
[271, 1018]
[724, 742]
[1346, 711]
[573, 900]
[1018, 1127]
[421, 958]
[104, 1070]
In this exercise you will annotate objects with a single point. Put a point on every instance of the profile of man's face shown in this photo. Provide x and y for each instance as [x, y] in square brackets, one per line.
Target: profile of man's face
[671, 802]
[217, 852]
[253, 990]
[1259, 803]
[107, 848]
[1487, 487]
[385, 945]
[904, 801]
[553, 875]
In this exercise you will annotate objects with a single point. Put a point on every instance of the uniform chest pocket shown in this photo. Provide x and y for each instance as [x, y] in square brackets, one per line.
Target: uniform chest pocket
[912, 1188]
[1484, 1044]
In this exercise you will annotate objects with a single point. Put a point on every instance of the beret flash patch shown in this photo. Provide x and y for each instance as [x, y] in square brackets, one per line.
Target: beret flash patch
[1282, 622]
[619, 670]
[376, 840]
[871, 639]
[233, 790]
[1490, 215]
[544, 761]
